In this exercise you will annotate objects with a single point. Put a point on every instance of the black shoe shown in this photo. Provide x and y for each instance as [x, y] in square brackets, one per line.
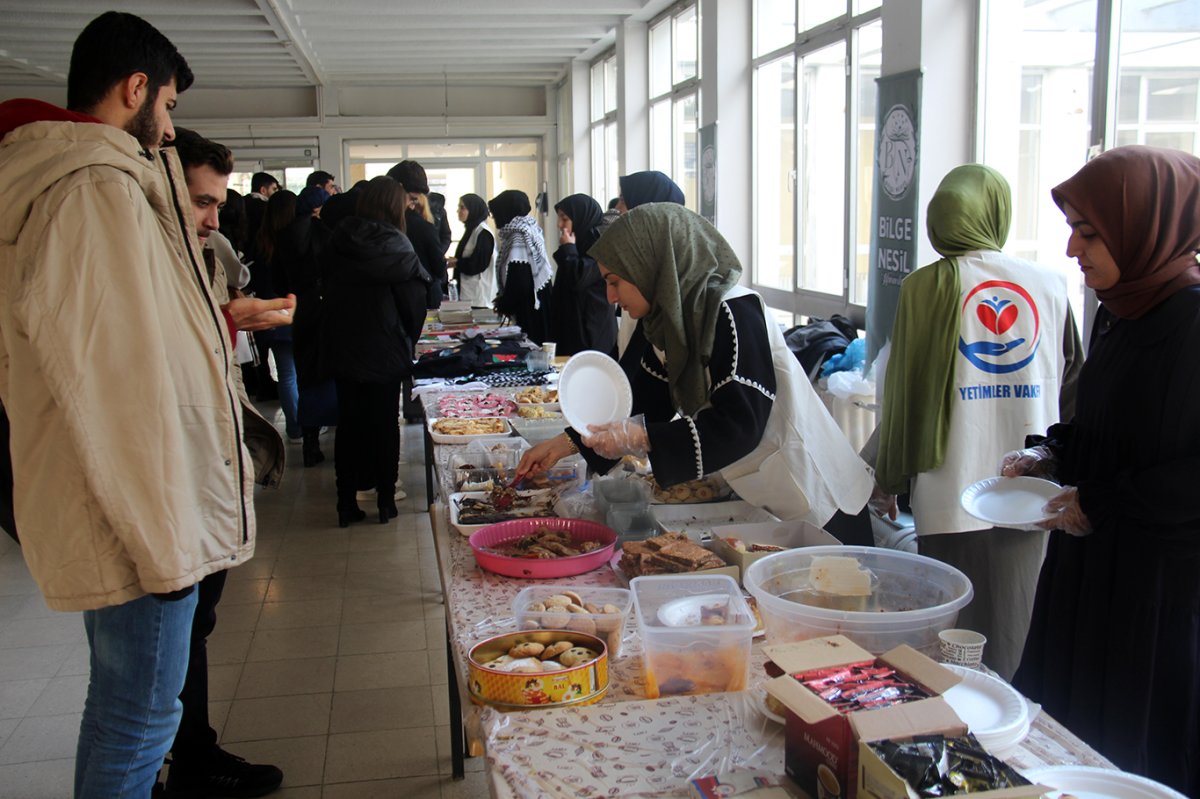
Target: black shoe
[313, 457]
[347, 517]
[387, 511]
[220, 774]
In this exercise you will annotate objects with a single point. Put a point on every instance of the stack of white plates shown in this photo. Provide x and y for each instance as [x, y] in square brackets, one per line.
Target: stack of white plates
[1088, 782]
[993, 710]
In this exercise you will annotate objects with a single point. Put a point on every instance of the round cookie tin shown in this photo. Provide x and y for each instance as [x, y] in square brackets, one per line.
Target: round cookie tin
[584, 684]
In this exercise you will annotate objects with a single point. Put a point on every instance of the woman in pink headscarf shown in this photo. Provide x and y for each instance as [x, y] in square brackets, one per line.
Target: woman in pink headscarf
[1114, 647]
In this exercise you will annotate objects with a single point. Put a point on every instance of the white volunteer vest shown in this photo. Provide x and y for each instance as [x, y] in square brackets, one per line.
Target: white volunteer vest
[479, 290]
[1007, 373]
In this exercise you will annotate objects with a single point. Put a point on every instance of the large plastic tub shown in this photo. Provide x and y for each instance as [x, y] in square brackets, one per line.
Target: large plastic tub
[913, 598]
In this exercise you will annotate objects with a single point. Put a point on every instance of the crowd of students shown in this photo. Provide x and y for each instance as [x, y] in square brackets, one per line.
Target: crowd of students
[1094, 612]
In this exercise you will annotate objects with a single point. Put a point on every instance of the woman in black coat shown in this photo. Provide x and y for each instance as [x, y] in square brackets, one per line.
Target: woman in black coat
[584, 318]
[374, 306]
[1114, 646]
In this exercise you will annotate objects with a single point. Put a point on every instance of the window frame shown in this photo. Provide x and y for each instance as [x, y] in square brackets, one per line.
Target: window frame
[602, 127]
[802, 301]
[677, 93]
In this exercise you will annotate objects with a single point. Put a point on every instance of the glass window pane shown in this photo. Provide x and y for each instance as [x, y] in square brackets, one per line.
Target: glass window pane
[443, 150]
[610, 84]
[599, 170]
[684, 145]
[1129, 98]
[597, 91]
[685, 47]
[866, 5]
[512, 149]
[1159, 56]
[660, 58]
[822, 174]
[774, 24]
[505, 175]
[814, 12]
[869, 59]
[611, 165]
[1039, 71]
[774, 169]
[660, 136]
[1171, 99]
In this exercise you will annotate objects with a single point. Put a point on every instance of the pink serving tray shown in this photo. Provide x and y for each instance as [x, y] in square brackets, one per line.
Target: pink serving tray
[537, 569]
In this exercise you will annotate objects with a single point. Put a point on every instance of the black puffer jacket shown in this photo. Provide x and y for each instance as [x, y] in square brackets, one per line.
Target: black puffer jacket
[374, 306]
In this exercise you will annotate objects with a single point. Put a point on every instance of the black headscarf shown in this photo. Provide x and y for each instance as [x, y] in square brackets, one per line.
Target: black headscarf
[585, 214]
[649, 187]
[477, 212]
[508, 205]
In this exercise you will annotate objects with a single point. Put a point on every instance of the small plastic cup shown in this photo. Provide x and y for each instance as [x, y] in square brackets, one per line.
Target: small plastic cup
[537, 361]
[962, 647]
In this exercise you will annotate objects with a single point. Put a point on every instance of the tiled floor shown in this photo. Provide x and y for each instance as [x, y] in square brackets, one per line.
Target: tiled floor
[328, 659]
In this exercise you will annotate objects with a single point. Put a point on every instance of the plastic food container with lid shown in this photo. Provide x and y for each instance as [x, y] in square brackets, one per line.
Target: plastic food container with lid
[696, 633]
[912, 598]
[602, 614]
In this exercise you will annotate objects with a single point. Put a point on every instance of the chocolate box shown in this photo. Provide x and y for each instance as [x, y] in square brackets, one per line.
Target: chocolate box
[821, 745]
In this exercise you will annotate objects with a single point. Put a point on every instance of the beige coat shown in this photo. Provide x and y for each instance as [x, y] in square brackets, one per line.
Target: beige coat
[130, 472]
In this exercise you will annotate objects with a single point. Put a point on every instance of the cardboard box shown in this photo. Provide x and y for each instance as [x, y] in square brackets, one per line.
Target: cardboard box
[877, 780]
[781, 534]
[821, 745]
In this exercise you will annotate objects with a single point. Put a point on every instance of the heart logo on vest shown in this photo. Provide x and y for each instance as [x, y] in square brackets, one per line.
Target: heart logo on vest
[997, 315]
[1000, 327]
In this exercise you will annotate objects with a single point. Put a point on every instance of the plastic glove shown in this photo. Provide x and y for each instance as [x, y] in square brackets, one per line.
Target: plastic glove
[615, 439]
[1068, 515]
[1032, 462]
[882, 503]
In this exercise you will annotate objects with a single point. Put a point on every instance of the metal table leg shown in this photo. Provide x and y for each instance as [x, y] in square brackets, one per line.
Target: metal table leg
[457, 732]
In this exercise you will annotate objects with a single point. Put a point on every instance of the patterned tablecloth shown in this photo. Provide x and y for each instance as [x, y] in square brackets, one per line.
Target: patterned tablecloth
[627, 745]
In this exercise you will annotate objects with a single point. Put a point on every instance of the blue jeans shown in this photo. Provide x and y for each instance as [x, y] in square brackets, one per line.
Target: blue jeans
[289, 394]
[139, 659]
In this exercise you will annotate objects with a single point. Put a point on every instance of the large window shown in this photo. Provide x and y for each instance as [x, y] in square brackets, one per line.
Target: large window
[454, 168]
[814, 131]
[675, 97]
[1040, 67]
[604, 128]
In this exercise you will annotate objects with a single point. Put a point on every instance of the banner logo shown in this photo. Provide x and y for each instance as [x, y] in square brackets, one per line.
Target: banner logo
[1000, 329]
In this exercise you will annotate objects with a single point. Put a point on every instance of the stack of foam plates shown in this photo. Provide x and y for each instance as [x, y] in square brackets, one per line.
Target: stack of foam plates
[1089, 782]
[991, 708]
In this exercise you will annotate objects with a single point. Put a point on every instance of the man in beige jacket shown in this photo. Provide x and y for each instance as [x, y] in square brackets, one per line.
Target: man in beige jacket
[131, 482]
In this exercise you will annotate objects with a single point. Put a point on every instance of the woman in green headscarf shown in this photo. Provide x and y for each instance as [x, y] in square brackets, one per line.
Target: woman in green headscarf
[982, 346]
[718, 390]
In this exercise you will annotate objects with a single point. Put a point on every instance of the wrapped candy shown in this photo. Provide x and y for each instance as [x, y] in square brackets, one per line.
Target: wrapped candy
[935, 766]
[860, 686]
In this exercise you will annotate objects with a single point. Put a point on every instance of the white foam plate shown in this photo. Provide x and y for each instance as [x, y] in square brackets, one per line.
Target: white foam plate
[593, 389]
[992, 708]
[685, 611]
[1089, 782]
[1007, 501]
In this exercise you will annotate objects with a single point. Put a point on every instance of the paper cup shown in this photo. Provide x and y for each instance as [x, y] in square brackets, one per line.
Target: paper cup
[962, 647]
[549, 347]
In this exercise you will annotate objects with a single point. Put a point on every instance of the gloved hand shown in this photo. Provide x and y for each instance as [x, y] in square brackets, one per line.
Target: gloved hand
[614, 439]
[1068, 515]
[882, 503]
[1032, 462]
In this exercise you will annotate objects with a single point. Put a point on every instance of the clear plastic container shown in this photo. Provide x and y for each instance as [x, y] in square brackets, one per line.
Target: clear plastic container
[912, 600]
[631, 521]
[607, 625]
[616, 491]
[696, 633]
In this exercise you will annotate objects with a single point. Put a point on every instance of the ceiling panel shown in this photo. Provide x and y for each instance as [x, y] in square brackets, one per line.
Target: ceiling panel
[264, 43]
